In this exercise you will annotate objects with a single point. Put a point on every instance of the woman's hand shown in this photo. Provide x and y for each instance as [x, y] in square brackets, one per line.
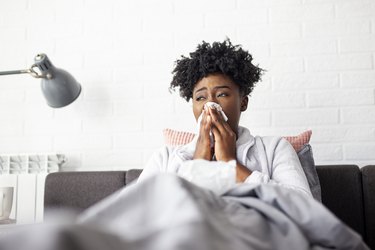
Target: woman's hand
[225, 142]
[225, 138]
[242, 173]
[203, 149]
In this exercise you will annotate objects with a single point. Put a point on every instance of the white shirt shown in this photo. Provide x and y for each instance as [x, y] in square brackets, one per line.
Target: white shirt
[270, 159]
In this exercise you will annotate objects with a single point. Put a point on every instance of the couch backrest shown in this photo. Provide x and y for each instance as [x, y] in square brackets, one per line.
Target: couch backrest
[79, 190]
[342, 193]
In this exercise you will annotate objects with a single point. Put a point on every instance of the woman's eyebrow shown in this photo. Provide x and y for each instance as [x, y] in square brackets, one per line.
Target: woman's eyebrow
[204, 88]
[222, 87]
[216, 87]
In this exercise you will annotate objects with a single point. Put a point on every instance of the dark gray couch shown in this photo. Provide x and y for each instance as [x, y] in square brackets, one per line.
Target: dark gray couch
[348, 191]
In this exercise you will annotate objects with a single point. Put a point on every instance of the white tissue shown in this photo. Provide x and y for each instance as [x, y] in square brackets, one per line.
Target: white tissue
[216, 106]
[206, 107]
[217, 176]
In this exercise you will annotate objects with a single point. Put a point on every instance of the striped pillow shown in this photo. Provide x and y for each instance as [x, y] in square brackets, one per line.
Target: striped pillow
[175, 138]
[300, 140]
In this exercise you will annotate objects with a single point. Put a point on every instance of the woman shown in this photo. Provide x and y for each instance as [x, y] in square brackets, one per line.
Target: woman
[224, 74]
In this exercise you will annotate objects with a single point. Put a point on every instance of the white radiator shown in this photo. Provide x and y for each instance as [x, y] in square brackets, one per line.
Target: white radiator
[27, 173]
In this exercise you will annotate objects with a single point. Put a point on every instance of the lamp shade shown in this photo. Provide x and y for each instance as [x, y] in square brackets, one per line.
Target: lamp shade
[58, 86]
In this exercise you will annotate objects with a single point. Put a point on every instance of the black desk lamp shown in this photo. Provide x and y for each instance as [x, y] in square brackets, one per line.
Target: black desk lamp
[58, 86]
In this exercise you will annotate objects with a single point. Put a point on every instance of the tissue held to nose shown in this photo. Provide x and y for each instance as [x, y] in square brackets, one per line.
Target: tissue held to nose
[206, 107]
[217, 107]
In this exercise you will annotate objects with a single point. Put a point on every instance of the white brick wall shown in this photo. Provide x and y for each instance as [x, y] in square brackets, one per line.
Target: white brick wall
[319, 57]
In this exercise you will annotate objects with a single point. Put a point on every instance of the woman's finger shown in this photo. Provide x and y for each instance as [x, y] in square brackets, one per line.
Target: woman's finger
[205, 127]
[216, 133]
[217, 120]
[202, 148]
[227, 127]
[205, 123]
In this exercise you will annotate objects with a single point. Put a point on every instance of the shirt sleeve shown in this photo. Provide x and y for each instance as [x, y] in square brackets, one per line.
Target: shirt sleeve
[155, 164]
[286, 170]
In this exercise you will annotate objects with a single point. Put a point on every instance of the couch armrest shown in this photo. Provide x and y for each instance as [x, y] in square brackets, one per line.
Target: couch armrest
[368, 181]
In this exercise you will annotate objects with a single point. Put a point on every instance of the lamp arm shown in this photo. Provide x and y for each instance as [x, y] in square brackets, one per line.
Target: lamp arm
[14, 72]
[30, 71]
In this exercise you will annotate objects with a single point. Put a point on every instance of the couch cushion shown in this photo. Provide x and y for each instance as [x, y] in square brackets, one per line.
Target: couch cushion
[368, 180]
[80, 190]
[342, 193]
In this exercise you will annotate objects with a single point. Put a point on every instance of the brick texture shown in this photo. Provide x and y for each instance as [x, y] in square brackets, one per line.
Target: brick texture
[319, 57]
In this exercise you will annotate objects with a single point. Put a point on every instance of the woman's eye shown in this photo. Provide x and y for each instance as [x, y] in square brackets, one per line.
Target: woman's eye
[199, 98]
[222, 95]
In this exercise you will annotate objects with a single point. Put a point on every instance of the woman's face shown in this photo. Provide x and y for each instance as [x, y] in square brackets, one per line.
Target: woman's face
[220, 89]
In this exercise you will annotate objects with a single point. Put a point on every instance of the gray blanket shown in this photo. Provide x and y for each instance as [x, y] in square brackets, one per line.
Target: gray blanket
[166, 212]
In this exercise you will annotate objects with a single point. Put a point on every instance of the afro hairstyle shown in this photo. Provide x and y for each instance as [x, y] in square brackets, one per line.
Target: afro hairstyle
[220, 57]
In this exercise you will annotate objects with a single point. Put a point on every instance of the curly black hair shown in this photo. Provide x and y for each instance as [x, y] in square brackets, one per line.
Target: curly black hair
[226, 58]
